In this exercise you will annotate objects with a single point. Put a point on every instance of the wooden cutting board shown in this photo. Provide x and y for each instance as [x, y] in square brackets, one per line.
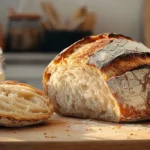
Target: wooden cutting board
[71, 133]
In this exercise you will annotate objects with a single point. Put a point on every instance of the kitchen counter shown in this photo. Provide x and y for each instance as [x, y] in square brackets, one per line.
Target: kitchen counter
[29, 57]
[64, 133]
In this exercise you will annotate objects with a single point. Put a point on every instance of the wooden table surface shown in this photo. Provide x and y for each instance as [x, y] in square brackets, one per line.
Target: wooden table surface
[71, 133]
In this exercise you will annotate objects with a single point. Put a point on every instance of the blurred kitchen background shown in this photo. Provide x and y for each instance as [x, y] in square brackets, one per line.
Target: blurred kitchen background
[33, 32]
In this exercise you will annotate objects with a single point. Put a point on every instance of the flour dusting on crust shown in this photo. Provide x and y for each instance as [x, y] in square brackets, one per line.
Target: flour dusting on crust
[116, 48]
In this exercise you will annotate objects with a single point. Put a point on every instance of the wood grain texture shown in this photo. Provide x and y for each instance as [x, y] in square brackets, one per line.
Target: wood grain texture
[71, 133]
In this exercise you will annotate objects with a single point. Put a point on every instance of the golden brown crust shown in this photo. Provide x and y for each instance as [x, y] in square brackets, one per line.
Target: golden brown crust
[68, 51]
[121, 65]
[41, 93]
[46, 77]
[91, 39]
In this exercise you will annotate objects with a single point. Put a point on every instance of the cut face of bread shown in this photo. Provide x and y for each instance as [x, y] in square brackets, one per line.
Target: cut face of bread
[81, 91]
[22, 105]
[105, 77]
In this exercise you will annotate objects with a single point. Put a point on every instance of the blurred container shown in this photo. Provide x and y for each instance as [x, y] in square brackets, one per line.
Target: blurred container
[56, 41]
[24, 31]
[1, 37]
[2, 76]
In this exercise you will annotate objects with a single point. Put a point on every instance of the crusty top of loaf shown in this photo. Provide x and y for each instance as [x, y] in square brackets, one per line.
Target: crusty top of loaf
[113, 54]
[103, 39]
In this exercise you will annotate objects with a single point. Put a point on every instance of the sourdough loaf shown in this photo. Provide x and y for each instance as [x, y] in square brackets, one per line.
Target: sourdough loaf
[106, 77]
[22, 105]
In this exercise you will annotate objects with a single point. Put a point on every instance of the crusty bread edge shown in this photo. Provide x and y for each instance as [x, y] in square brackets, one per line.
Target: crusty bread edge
[7, 122]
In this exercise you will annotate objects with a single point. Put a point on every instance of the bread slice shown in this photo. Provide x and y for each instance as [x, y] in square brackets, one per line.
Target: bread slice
[105, 77]
[22, 105]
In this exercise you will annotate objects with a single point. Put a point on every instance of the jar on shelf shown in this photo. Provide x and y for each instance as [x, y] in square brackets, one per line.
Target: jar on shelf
[23, 34]
[2, 58]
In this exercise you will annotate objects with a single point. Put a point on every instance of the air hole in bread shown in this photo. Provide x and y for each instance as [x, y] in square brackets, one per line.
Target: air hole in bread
[84, 87]
[5, 91]
[25, 95]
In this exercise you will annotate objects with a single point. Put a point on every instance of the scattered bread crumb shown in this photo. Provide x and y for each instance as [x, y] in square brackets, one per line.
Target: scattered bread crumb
[45, 133]
[118, 126]
[46, 136]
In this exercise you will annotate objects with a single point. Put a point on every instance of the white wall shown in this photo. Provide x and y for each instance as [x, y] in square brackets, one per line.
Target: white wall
[120, 16]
